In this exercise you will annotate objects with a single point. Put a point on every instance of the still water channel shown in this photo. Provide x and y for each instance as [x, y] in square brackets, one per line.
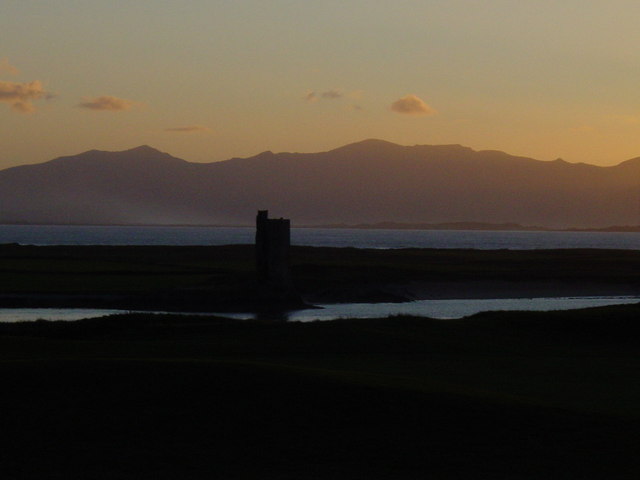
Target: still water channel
[442, 309]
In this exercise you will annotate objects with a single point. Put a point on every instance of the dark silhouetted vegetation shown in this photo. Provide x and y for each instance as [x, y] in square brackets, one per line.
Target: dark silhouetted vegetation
[498, 395]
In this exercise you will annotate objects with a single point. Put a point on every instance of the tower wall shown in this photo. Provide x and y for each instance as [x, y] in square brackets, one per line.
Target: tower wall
[273, 238]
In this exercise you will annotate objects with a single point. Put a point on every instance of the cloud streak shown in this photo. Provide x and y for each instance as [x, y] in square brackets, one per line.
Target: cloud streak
[312, 96]
[412, 105]
[107, 103]
[188, 129]
[332, 94]
[6, 67]
[20, 95]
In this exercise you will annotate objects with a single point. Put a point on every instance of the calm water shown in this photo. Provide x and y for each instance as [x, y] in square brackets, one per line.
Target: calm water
[442, 309]
[448, 309]
[484, 240]
[12, 315]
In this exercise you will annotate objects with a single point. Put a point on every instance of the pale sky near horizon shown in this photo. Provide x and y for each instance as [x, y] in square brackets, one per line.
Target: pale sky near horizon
[208, 80]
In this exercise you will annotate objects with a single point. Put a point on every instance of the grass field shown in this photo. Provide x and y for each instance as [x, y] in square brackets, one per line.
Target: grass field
[498, 395]
[222, 277]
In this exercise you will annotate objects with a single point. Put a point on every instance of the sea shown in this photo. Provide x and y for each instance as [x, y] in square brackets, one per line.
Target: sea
[318, 237]
[329, 237]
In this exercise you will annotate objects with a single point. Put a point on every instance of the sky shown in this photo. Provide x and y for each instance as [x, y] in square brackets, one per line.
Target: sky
[207, 80]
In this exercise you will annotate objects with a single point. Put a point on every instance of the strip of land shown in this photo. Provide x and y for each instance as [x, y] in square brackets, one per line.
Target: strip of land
[222, 278]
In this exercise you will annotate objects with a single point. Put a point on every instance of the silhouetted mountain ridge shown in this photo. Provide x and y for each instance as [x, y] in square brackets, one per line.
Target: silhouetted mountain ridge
[371, 181]
[143, 153]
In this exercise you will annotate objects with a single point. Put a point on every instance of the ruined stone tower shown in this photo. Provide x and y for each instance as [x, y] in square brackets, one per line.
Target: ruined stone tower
[272, 251]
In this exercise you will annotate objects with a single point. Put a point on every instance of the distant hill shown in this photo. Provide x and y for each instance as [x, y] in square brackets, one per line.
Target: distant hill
[368, 182]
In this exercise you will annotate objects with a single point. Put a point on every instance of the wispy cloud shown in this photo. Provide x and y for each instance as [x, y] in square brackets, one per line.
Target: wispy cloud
[20, 95]
[107, 103]
[313, 95]
[412, 105]
[310, 96]
[23, 107]
[188, 129]
[332, 94]
[6, 67]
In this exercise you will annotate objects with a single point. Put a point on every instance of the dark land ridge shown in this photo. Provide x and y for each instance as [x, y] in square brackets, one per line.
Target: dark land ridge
[222, 278]
[460, 226]
[475, 226]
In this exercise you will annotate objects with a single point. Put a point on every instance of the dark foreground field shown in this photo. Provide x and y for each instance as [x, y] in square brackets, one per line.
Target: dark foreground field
[496, 396]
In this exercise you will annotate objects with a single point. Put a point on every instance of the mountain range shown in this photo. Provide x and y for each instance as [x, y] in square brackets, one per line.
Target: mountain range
[366, 182]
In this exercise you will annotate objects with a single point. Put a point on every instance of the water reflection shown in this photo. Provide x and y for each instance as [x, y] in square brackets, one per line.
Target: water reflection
[442, 309]
[12, 315]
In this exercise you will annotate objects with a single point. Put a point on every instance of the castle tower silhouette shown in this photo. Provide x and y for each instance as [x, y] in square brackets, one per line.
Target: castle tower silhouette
[273, 238]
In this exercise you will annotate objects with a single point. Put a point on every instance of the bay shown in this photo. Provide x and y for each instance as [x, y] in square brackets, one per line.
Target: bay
[438, 309]
[454, 308]
[14, 315]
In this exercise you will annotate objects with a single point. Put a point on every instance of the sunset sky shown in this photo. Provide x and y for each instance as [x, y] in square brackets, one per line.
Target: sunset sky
[208, 80]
